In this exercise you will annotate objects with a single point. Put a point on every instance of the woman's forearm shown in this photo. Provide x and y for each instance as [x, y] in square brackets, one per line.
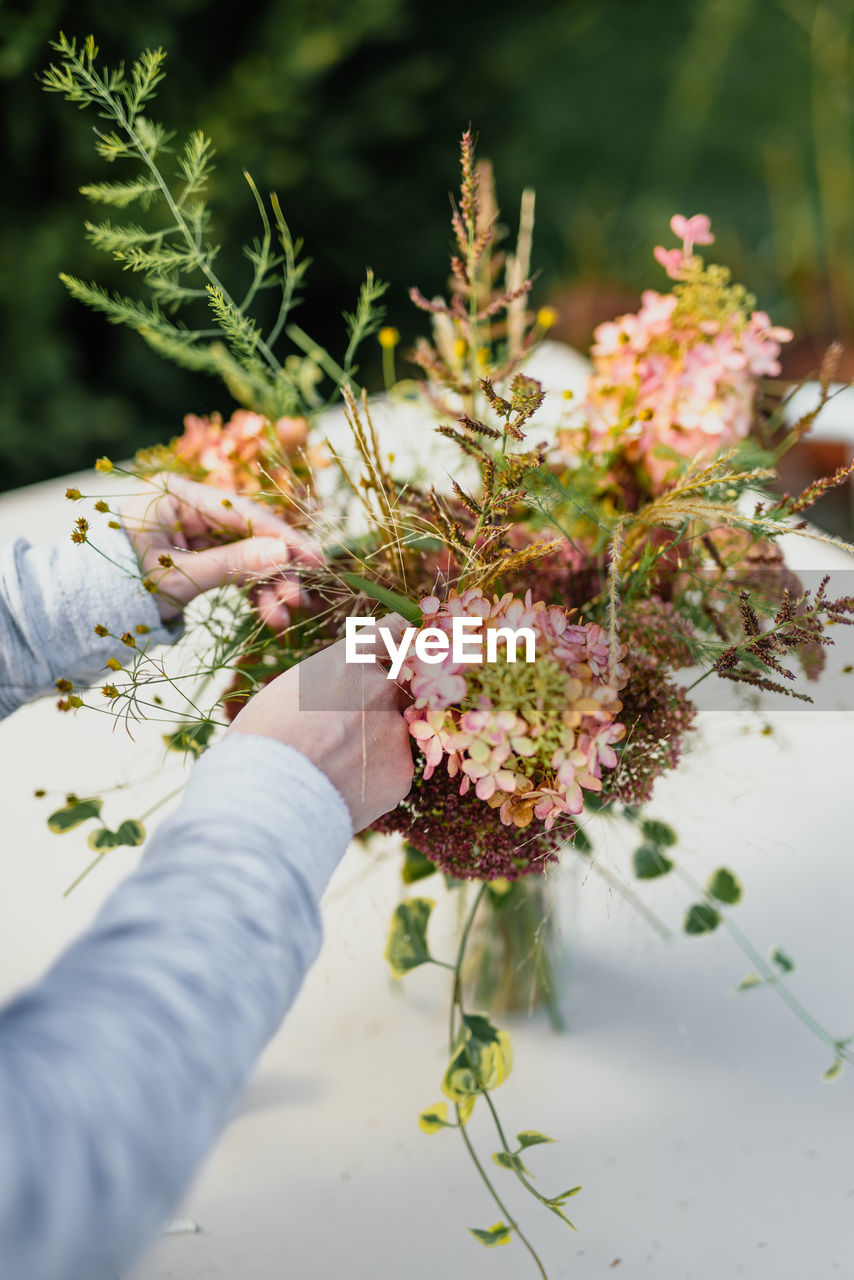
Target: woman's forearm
[118, 1070]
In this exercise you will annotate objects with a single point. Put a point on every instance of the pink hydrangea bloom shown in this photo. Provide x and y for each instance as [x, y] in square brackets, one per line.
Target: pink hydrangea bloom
[679, 377]
[529, 738]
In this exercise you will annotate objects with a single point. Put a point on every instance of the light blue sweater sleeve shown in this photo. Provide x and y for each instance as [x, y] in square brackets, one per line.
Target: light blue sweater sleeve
[119, 1068]
[52, 597]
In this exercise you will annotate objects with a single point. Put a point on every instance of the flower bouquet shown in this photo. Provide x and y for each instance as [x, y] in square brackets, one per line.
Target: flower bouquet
[569, 567]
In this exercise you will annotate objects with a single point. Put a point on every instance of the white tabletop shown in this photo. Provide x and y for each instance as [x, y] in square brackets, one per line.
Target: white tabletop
[707, 1143]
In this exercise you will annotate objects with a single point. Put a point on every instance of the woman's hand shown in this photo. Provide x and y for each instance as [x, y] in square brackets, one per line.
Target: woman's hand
[190, 537]
[347, 720]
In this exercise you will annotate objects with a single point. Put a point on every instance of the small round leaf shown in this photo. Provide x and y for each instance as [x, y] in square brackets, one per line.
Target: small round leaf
[701, 918]
[650, 862]
[724, 886]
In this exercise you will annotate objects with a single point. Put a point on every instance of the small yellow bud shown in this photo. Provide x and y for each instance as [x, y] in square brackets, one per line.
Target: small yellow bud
[109, 691]
[104, 465]
[500, 886]
[166, 561]
[568, 395]
[388, 337]
[127, 639]
[100, 505]
[63, 685]
[113, 664]
[71, 703]
[73, 494]
[547, 317]
[142, 629]
[460, 347]
[100, 629]
[39, 793]
[227, 503]
[113, 524]
[484, 356]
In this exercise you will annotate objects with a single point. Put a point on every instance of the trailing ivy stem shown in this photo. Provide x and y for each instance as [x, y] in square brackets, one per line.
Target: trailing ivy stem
[772, 979]
[456, 993]
[496, 1197]
[456, 1004]
[503, 1140]
[83, 874]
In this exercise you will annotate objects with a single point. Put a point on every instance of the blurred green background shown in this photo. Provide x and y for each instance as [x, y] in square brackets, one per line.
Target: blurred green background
[619, 112]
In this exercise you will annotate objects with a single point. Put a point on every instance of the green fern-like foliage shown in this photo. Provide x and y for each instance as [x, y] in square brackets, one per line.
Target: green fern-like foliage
[169, 246]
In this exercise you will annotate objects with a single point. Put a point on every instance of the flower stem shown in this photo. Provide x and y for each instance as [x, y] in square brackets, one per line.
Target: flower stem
[457, 1006]
[499, 1202]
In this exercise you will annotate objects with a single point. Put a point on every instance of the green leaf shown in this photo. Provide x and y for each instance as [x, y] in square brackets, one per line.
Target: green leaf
[71, 815]
[102, 839]
[367, 317]
[460, 1081]
[121, 194]
[465, 1107]
[479, 1028]
[531, 1138]
[391, 599]
[500, 1233]
[724, 886]
[190, 737]
[131, 832]
[415, 865]
[784, 962]
[555, 1208]
[195, 164]
[564, 1196]
[407, 940]
[650, 862]
[752, 980]
[834, 1071]
[435, 1118]
[508, 1161]
[240, 331]
[482, 1059]
[658, 833]
[701, 918]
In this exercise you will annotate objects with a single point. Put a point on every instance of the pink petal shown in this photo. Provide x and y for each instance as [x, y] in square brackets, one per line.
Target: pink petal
[485, 787]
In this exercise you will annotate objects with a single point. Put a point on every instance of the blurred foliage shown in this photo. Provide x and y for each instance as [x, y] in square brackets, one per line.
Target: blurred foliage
[620, 112]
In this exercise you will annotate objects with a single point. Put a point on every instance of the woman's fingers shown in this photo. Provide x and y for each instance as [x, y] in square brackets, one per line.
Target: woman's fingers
[272, 610]
[235, 562]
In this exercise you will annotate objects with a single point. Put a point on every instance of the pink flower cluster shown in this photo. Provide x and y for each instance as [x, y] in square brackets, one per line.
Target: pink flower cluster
[529, 737]
[231, 454]
[680, 376]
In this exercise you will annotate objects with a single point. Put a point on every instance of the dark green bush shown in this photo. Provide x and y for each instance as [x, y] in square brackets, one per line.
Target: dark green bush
[618, 111]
